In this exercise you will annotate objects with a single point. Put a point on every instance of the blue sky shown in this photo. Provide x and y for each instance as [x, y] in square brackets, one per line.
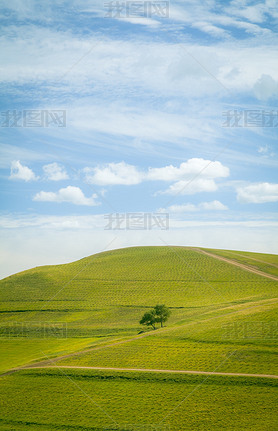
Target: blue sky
[138, 113]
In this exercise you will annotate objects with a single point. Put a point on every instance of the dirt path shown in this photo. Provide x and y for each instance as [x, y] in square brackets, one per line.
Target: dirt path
[147, 370]
[240, 265]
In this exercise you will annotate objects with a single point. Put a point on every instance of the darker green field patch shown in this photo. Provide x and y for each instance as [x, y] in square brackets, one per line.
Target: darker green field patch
[143, 377]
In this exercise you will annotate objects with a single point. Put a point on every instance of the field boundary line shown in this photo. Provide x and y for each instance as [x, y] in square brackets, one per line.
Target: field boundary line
[149, 370]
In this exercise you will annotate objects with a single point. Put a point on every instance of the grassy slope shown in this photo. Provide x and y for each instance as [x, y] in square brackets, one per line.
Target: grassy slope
[103, 297]
[239, 339]
[21, 350]
[91, 400]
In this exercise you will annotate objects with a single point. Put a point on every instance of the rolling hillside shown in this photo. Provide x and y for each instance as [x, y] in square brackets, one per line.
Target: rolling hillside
[105, 295]
[85, 314]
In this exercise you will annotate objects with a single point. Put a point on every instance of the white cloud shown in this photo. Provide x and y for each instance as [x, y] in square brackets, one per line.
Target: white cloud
[213, 206]
[193, 70]
[191, 187]
[210, 28]
[180, 208]
[126, 119]
[70, 194]
[236, 15]
[266, 152]
[258, 193]
[253, 13]
[196, 166]
[113, 174]
[266, 87]
[142, 21]
[122, 173]
[197, 175]
[88, 222]
[206, 206]
[263, 150]
[21, 172]
[55, 172]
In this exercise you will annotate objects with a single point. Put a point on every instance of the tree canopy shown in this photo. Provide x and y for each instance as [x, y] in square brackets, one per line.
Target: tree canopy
[162, 313]
[149, 319]
[159, 314]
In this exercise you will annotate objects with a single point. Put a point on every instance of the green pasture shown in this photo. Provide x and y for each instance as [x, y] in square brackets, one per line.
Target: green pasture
[241, 339]
[55, 399]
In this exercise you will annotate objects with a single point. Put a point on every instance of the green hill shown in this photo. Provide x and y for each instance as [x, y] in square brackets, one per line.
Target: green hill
[224, 319]
[104, 296]
[107, 292]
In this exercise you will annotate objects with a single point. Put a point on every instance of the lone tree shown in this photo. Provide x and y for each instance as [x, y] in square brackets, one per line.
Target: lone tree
[162, 314]
[159, 314]
[149, 319]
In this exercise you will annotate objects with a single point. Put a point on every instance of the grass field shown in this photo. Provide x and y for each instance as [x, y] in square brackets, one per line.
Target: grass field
[21, 350]
[223, 318]
[239, 339]
[97, 400]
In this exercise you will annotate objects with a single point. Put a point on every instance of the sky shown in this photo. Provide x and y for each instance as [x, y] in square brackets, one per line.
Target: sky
[136, 123]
